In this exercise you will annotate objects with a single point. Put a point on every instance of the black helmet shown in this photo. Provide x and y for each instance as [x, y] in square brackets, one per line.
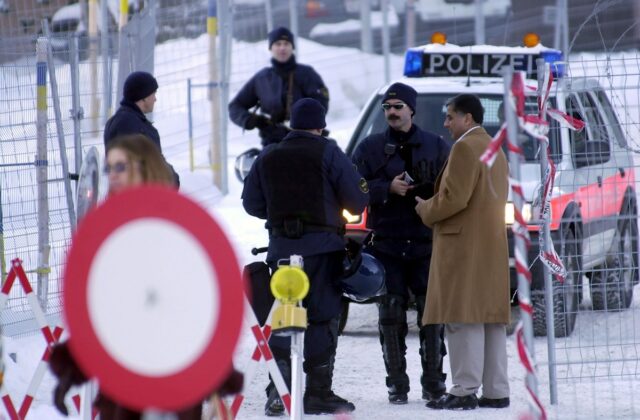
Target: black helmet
[363, 278]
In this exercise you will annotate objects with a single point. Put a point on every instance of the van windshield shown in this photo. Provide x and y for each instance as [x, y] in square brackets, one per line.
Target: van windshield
[430, 116]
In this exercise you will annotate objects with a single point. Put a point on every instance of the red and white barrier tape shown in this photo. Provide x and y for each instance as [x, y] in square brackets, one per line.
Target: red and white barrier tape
[529, 365]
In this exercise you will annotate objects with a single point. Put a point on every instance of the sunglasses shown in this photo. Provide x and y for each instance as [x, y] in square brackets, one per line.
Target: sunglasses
[387, 107]
[118, 168]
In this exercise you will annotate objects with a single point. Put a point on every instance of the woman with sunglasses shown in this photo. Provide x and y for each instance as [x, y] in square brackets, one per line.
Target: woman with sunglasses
[134, 160]
[131, 161]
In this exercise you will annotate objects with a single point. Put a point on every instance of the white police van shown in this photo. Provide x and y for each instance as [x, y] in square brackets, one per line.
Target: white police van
[593, 207]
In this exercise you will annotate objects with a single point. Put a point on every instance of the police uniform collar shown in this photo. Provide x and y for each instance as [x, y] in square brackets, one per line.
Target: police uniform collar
[401, 136]
[297, 134]
[131, 105]
[286, 67]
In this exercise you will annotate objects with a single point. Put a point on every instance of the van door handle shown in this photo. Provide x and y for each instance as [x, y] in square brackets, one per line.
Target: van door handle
[621, 172]
[599, 178]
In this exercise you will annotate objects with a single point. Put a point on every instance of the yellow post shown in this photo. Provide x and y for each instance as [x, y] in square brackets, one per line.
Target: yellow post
[124, 13]
[214, 96]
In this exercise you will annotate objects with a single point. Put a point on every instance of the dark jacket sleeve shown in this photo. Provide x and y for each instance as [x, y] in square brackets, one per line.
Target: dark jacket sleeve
[245, 100]
[364, 159]
[316, 89]
[253, 197]
[351, 187]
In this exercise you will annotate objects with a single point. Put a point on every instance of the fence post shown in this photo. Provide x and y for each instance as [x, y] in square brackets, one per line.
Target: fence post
[42, 166]
[293, 19]
[93, 62]
[479, 23]
[410, 13]
[542, 68]
[366, 39]
[61, 140]
[384, 6]
[226, 29]
[268, 9]
[77, 112]
[520, 243]
[105, 40]
[214, 95]
[190, 126]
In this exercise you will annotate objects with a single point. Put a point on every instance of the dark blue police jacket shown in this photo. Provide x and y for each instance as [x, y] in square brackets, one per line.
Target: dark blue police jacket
[268, 90]
[340, 186]
[397, 228]
[129, 119]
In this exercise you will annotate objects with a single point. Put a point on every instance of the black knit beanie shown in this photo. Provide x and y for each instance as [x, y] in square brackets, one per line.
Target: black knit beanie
[307, 114]
[281, 34]
[403, 92]
[139, 85]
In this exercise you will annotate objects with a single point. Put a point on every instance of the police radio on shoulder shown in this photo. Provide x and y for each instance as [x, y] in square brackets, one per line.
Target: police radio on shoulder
[441, 59]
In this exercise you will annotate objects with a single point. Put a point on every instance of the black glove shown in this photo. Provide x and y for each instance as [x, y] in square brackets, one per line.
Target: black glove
[232, 384]
[65, 369]
[256, 120]
[60, 391]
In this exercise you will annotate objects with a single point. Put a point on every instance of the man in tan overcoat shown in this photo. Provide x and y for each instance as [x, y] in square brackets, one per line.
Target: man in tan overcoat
[469, 277]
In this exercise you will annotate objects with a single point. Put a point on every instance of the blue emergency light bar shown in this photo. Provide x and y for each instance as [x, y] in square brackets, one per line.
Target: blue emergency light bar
[442, 61]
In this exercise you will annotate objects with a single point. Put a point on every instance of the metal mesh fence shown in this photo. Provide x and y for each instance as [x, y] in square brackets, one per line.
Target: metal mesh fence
[19, 187]
[603, 345]
[601, 178]
[594, 341]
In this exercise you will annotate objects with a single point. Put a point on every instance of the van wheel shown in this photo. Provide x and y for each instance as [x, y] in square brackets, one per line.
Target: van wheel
[607, 290]
[627, 238]
[565, 295]
[344, 314]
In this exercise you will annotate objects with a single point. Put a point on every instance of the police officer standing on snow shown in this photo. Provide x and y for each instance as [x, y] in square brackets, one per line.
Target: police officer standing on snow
[400, 164]
[275, 89]
[300, 186]
[138, 99]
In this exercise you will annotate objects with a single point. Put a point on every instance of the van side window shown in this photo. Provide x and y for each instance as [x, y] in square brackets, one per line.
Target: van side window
[613, 121]
[578, 139]
[594, 118]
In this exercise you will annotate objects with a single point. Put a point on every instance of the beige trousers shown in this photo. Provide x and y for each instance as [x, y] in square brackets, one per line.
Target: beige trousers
[478, 356]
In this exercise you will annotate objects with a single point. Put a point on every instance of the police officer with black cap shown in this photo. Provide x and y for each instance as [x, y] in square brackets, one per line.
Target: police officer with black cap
[275, 89]
[138, 99]
[400, 163]
[301, 186]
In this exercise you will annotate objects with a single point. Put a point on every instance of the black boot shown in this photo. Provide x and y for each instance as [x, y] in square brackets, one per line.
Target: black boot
[274, 407]
[393, 330]
[318, 396]
[432, 352]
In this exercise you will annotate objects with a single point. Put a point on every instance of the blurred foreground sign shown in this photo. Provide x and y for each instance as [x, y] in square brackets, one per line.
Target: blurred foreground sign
[153, 298]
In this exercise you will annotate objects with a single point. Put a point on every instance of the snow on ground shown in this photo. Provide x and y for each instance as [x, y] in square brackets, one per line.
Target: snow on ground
[359, 375]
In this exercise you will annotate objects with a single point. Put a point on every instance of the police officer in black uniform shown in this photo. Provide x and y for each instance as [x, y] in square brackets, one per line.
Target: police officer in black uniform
[138, 99]
[275, 89]
[300, 186]
[399, 164]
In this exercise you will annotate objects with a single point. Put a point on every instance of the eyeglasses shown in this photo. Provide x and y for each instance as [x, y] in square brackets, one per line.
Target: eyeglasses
[118, 167]
[387, 107]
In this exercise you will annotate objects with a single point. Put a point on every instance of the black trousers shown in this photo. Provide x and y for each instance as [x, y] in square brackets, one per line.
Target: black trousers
[403, 274]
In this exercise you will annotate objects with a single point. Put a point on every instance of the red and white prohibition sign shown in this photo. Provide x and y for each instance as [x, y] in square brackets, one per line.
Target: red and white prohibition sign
[153, 299]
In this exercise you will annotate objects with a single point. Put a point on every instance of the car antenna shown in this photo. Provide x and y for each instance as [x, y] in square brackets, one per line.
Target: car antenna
[469, 71]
